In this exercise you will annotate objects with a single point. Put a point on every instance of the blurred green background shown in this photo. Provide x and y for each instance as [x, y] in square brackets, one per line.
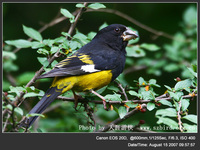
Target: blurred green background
[166, 17]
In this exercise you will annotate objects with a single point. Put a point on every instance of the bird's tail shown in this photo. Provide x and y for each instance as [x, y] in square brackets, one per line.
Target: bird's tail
[46, 100]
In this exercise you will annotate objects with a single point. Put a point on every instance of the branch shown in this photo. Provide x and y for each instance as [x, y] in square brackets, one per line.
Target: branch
[55, 21]
[139, 24]
[5, 125]
[179, 117]
[133, 69]
[164, 96]
[119, 120]
[73, 25]
[18, 99]
[123, 90]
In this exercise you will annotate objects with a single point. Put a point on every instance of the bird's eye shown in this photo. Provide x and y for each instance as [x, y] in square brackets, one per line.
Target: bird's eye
[117, 30]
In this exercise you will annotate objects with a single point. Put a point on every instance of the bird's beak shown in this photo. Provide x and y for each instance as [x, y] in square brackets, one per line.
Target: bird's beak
[128, 34]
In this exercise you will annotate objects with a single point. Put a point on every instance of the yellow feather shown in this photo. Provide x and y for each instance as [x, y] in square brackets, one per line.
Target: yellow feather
[86, 59]
[83, 82]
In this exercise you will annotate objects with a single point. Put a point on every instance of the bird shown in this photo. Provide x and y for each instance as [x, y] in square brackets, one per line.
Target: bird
[90, 68]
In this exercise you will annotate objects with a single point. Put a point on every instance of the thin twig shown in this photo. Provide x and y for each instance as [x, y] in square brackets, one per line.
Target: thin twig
[55, 21]
[18, 99]
[73, 25]
[122, 89]
[11, 79]
[90, 114]
[133, 69]
[13, 117]
[5, 125]
[134, 21]
[162, 97]
[119, 120]
[179, 117]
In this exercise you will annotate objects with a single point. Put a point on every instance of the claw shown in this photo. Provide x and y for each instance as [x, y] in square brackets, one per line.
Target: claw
[101, 97]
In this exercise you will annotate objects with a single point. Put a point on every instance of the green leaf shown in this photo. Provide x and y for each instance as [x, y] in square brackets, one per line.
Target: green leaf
[39, 130]
[67, 14]
[103, 25]
[114, 97]
[152, 82]
[33, 94]
[36, 45]
[66, 34]
[31, 88]
[192, 72]
[122, 111]
[43, 61]
[169, 88]
[150, 106]
[185, 103]
[32, 33]
[25, 77]
[19, 43]
[11, 97]
[133, 93]
[101, 90]
[9, 106]
[9, 66]
[171, 67]
[91, 35]
[165, 102]
[190, 128]
[16, 90]
[34, 114]
[48, 42]
[135, 51]
[183, 84]
[60, 39]
[174, 95]
[167, 121]
[142, 81]
[10, 55]
[176, 105]
[131, 104]
[96, 6]
[192, 118]
[79, 5]
[194, 67]
[43, 51]
[54, 49]
[150, 47]
[81, 37]
[54, 63]
[74, 45]
[6, 85]
[19, 111]
[190, 16]
[170, 112]
[148, 95]
[113, 88]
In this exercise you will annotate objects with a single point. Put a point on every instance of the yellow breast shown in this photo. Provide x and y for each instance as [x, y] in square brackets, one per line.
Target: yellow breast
[84, 82]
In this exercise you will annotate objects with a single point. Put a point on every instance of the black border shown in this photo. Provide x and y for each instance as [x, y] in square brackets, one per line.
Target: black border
[84, 140]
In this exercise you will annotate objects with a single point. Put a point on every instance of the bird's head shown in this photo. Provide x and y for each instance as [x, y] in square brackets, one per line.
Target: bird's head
[116, 34]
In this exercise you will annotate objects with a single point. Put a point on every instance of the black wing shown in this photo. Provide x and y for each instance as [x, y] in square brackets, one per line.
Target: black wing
[93, 57]
[78, 64]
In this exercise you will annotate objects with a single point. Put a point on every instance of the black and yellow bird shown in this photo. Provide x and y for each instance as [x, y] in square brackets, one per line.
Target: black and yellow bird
[92, 67]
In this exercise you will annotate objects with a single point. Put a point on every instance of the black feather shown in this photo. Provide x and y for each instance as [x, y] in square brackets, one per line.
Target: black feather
[43, 103]
[106, 52]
